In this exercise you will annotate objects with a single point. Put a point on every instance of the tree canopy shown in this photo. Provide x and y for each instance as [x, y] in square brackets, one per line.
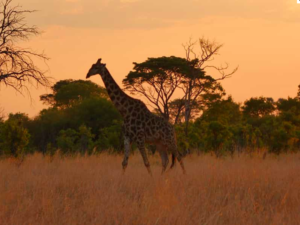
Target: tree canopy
[76, 107]
[258, 107]
[158, 78]
[66, 93]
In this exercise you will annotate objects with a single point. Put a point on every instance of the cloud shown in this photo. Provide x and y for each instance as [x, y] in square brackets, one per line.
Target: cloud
[149, 14]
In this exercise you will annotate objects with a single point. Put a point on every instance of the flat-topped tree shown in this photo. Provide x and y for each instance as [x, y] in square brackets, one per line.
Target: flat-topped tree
[140, 125]
[157, 79]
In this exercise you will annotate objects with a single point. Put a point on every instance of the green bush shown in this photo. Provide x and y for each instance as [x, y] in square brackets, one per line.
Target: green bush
[14, 137]
[110, 138]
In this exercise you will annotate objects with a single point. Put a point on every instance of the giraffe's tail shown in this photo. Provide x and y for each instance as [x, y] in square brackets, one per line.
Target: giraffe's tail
[173, 160]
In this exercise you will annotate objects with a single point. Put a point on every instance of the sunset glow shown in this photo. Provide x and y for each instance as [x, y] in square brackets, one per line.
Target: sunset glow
[261, 37]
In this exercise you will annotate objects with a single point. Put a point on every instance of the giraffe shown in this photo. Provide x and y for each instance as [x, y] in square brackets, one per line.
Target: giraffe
[140, 125]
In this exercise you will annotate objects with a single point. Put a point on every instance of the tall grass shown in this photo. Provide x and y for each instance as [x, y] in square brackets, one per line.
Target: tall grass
[92, 190]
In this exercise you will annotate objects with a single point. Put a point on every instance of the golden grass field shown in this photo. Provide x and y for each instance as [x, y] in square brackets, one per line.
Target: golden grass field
[92, 190]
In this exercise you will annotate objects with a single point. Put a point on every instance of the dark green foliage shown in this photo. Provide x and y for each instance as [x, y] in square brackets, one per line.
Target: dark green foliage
[46, 127]
[110, 138]
[94, 113]
[14, 137]
[85, 142]
[73, 103]
[290, 106]
[66, 141]
[225, 111]
[80, 109]
[71, 141]
[218, 137]
[217, 128]
[224, 127]
[279, 140]
[258, 107]
[66, 93]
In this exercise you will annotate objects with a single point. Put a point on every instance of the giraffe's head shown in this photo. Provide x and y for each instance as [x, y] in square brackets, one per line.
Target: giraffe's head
[96, 68]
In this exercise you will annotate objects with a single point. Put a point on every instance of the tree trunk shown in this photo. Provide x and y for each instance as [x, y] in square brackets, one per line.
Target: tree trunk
[187, 117]
[187, 114]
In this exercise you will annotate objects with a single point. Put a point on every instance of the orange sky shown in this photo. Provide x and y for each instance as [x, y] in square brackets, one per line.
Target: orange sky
[261, 37]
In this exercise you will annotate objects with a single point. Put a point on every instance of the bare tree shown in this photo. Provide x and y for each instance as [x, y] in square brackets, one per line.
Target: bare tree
[17, 67]
[195, 87]
[208, 50]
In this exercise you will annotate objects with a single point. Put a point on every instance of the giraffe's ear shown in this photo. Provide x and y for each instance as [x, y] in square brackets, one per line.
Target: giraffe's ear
[99, 61]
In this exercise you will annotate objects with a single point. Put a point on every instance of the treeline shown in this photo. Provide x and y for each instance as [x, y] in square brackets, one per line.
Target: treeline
[227, 126]
[82, 119]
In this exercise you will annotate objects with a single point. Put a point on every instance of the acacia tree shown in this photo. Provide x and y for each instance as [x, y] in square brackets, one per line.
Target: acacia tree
[158, 78]
[17, 67]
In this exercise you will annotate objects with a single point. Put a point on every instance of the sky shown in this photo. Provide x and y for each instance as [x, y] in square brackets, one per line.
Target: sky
[261, 37]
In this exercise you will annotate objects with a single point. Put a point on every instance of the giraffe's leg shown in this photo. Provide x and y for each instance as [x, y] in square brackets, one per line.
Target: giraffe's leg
[176, 155]
[173, 160]
[179, 158]
[127, 147]
[164, 157]
[141, 146]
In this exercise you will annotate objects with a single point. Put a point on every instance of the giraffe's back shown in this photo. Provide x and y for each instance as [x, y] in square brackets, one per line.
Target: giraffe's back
[155, 129]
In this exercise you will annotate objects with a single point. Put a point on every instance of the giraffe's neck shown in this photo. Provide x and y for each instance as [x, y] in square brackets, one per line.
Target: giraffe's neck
[118, 97]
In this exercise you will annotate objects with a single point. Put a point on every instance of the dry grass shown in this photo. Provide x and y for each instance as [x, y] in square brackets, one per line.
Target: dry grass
[92, 190]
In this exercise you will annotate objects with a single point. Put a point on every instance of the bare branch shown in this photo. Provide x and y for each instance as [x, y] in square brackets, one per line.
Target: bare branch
[17, 67]
[208, 49]
[194, 86]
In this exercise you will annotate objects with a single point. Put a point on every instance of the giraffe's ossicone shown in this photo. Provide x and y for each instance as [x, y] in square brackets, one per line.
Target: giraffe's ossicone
[140, 125]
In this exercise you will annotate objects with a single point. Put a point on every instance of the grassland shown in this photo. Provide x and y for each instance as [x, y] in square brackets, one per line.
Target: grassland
[92, 190]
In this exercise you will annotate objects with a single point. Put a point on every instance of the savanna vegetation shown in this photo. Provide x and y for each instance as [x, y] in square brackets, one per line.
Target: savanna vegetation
[82, 119]
[93, 190]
